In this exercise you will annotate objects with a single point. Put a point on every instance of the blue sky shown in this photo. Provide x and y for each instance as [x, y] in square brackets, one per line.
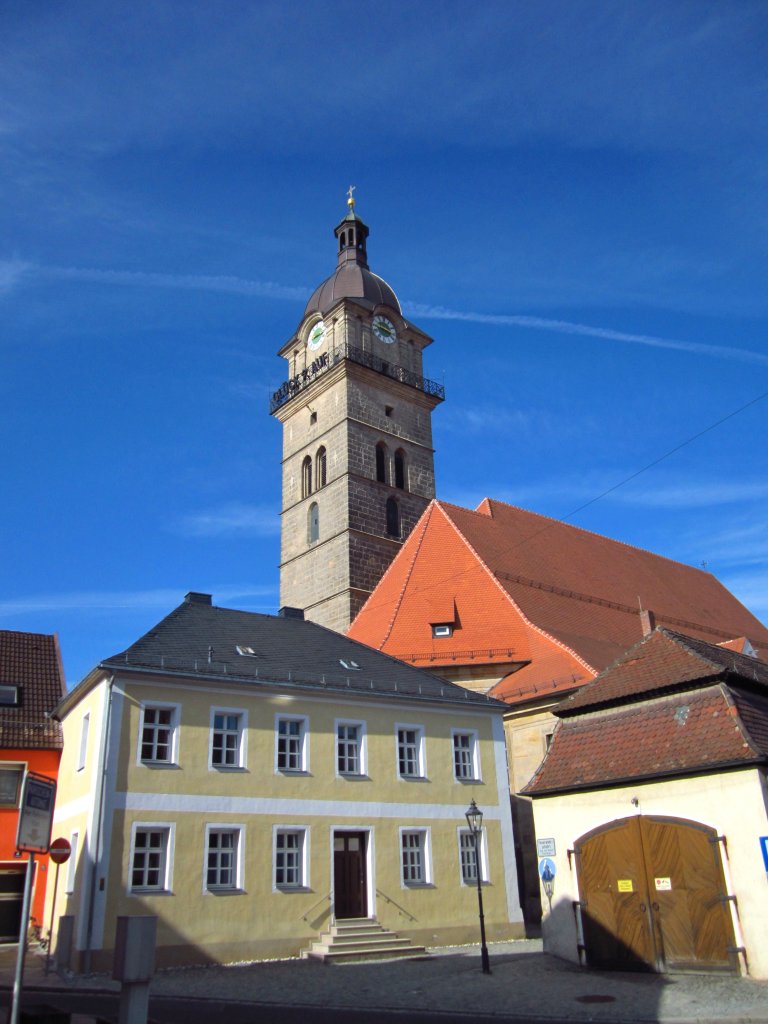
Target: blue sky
[571, 198]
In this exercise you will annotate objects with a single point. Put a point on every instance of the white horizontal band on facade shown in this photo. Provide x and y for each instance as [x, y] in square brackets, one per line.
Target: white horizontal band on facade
[217, 805]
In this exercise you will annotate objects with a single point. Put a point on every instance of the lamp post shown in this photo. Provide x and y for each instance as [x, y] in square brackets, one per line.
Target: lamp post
[474, 818]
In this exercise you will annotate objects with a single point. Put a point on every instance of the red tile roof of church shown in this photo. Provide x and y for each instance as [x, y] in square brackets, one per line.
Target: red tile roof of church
[557, 599]
[671, 705]
[32, 663]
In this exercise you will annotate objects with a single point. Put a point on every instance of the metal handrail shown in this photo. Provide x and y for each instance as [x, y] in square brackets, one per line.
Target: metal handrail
[394, 903]
[324, 362]
[328, 896]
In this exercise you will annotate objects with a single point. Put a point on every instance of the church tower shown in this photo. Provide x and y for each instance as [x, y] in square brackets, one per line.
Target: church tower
[358, 462]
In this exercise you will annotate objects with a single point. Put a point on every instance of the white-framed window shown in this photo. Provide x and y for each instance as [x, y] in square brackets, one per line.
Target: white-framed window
[291, 743]
[466, 755]
[223, 858]
[350, 748]
[82, 753]
[415, 858]
[442, 629]
[159, 734]
[290, 857]
[410, 752]
[228, 738]
[11, 778]
[151, 857]
[468, 857]
[69, 884]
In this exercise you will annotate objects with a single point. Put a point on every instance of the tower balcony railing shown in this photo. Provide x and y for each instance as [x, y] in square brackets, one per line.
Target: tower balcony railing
[324, 362]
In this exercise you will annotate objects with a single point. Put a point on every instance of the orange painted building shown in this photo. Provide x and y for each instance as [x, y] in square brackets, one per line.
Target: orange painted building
[529, 608]
[31, 685]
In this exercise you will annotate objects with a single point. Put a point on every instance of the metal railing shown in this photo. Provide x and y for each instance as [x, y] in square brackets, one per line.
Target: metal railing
[294, 385]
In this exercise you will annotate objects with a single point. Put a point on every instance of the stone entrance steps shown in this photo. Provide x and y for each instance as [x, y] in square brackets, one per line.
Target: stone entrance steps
[360, 938]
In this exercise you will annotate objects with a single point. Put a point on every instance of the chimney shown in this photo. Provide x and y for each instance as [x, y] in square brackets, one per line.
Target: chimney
[291, 613]
[647, 621]
[194, 598]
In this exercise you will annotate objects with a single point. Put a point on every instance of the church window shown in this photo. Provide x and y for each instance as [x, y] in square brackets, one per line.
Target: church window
[320, 467]
[306, 477]
[313, 523]
[381, 463]
[393, 518]
[400, 469]
[342, 239]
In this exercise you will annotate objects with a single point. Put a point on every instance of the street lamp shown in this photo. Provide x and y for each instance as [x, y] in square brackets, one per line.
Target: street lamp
[474, 818]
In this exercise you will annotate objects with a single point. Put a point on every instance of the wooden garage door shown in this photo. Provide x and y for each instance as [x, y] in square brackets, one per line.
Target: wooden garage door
[653, 896]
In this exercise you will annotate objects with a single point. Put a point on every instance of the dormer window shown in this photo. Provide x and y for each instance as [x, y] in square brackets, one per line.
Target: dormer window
[246, 652]
[440, 629]
[9, 696]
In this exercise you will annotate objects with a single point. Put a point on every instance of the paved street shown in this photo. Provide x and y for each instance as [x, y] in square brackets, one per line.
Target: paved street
[526, 985]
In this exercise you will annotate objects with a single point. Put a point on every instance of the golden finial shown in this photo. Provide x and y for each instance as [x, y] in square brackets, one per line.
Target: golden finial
[351, 198]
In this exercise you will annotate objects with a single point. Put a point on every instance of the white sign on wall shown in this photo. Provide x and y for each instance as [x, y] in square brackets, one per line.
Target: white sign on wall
[545, 847]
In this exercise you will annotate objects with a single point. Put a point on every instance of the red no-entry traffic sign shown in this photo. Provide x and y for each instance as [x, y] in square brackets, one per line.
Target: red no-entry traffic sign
[59, 851]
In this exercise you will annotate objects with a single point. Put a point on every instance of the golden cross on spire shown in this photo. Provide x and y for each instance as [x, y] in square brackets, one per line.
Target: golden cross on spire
[350, 197]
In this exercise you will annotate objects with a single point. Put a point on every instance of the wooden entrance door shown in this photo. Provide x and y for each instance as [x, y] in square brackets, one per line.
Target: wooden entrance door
[653, 896]
[349, 875]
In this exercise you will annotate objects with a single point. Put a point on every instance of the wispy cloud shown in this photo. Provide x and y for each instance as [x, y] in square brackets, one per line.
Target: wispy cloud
[189, 282]
[110, 600]
[11, 273]
[426, 312]
[234, 519]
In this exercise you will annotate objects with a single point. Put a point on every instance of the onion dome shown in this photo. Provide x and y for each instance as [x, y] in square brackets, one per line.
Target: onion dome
[352, 278]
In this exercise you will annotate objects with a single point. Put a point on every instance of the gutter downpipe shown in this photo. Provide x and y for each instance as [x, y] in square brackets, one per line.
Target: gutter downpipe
[99, 826]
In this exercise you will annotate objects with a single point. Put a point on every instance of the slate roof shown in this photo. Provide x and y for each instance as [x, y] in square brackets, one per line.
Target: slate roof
[671, 705]
[199, 639]
[31, 662]
[578, 589]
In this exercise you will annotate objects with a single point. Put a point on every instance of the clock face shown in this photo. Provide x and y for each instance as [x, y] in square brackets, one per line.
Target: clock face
[384, 329]
[316, 336]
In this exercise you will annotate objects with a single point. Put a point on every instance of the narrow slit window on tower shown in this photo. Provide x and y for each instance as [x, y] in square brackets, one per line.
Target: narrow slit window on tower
[320, 467]
[312, 419]
[306, 477]
[381, 463]
[313, 523]
[400, 469]
[393, 518]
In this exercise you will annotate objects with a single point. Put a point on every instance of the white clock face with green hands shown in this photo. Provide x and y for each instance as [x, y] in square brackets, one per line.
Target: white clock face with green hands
[316, 336]
[384, 329]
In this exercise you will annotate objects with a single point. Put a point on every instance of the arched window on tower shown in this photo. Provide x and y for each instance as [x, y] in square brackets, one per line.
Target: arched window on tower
[313, 523]
[400, 469]
[381, 462]
[393, 518]
[320, 468]
[306, 477]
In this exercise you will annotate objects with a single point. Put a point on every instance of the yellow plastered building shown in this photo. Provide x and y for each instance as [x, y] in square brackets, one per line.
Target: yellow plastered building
[255, 781]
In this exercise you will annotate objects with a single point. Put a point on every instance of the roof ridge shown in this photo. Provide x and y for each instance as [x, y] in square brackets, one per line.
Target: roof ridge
[736, 712]
[737, 658]
[421, 526]
[528, 621]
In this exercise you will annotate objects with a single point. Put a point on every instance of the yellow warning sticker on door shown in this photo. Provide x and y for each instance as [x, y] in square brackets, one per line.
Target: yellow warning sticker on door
[663, 884]
[625, 885]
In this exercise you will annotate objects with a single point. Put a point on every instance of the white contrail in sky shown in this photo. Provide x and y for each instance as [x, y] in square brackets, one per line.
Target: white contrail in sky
[566, 327]
[12, 272]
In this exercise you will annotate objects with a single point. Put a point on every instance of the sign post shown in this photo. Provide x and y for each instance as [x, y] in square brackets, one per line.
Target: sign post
[59, 852]
[33, 835]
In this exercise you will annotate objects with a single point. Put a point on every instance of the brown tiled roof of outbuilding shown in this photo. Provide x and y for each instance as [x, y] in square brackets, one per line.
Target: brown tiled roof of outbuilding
[661, 662]
[671, 705]
[672, 735]
[31, 662]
